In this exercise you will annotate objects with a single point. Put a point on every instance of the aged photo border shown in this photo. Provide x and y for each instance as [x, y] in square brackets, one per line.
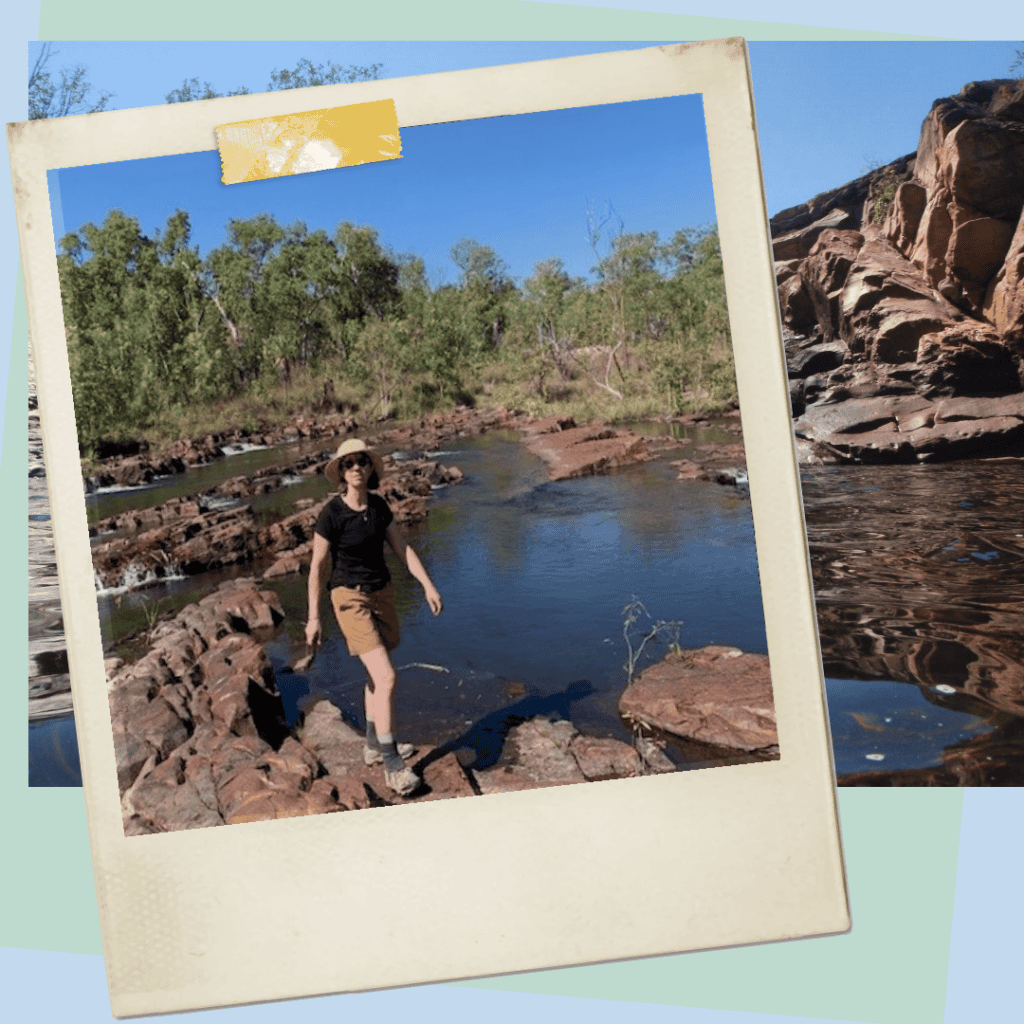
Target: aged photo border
[521, 881]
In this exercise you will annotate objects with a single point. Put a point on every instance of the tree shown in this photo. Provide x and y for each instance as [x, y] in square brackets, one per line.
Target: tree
[370, 273]
[142, 336]
[308, 74]
[480, 263]
[47, 98]
[190, 90]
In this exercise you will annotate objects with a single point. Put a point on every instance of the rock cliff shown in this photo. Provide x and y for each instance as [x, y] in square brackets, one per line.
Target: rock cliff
[902, 294]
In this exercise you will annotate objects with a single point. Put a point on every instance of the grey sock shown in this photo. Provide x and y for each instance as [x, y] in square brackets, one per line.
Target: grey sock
[371, 735]
[392, 759]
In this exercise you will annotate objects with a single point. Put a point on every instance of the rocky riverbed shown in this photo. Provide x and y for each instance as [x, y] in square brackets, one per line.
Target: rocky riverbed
[200, 735]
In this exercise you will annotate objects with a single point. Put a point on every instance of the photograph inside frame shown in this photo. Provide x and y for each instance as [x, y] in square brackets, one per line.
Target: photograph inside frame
[601, 603]
[299, 349]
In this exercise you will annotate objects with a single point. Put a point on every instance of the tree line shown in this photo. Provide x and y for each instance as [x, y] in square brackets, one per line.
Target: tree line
[154, 327]
[67, 91]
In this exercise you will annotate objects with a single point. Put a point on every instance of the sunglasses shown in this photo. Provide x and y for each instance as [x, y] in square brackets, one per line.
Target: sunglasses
[354, 460]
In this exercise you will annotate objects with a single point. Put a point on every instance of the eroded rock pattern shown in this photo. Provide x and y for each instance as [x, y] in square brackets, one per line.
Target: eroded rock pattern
[719, 696]
[200, 737]
[908, 282]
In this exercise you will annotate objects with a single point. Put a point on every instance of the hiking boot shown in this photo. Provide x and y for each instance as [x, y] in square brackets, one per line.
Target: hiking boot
[372, 757]
[404, 782]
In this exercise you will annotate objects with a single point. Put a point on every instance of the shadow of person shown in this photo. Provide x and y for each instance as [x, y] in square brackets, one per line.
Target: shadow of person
[486, 737]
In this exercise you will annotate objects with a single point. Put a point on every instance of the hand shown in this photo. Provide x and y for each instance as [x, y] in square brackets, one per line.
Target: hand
[434, 600]
[312, 632]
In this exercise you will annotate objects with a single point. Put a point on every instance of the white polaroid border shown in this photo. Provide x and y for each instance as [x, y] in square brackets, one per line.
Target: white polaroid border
[493, 885]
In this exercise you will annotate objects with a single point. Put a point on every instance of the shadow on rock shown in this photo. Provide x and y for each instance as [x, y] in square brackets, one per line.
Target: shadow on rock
[486, 738]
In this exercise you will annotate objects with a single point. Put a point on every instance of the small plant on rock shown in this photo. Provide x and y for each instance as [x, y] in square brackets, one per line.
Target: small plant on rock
[665, 630]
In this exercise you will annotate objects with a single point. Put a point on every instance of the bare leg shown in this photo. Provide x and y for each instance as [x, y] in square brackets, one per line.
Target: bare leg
[379, 693]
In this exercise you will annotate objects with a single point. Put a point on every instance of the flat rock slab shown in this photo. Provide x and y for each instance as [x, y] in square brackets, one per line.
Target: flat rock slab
[715, 695]
[585, 451]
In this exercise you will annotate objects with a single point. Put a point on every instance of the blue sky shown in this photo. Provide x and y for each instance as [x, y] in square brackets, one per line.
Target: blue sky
[522, 185]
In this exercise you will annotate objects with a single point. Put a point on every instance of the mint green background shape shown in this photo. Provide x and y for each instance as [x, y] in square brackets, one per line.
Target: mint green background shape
[901, 846]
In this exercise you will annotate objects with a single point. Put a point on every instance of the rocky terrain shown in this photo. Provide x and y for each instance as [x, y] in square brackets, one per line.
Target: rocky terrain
[718, 696]
[200, 736]
[199, 725]
[902, 295]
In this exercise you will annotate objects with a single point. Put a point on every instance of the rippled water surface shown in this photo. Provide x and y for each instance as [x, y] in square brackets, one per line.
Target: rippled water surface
[919, 584]
[534, 576]
[918, 574]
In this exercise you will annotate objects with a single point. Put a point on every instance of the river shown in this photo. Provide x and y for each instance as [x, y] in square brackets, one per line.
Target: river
[919, 592]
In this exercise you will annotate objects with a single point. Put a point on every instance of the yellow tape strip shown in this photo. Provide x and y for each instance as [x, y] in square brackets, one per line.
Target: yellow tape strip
[315, 140]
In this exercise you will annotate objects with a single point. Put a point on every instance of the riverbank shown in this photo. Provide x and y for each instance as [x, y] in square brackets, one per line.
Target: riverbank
[201, 738]
[241, 519]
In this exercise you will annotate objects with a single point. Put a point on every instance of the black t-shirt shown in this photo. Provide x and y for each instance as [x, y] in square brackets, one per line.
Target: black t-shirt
[357, 541]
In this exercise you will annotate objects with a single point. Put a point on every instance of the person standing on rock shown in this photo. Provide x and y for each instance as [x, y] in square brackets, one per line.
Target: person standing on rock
[348, 546]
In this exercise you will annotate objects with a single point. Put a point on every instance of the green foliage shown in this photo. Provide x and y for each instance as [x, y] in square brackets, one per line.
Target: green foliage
[49, 98]
[254, 327]
[886, 192]
[191, 90]
[308, 74]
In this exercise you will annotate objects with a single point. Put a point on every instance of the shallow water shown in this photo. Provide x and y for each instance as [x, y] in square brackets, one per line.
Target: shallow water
[918, 574]
[919, 585]
[534, 576]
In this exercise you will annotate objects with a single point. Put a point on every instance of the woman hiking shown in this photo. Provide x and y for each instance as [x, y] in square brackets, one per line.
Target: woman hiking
[348, 546]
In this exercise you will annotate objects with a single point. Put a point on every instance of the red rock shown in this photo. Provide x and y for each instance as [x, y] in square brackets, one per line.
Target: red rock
[715, 695]
[584, 451]
[797, 244]
[903, 217]
[335, 744]
[445, 778]
[164, 798]
[1004, 300]
[541, 752]
[1008, 101]
[605, 758]
[796, 304]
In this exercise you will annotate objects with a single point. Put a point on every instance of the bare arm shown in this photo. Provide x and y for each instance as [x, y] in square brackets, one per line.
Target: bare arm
[319, 567]
[396, 538]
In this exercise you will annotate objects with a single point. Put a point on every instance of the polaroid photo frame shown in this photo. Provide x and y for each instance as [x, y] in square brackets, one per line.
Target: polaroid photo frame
[512, 882]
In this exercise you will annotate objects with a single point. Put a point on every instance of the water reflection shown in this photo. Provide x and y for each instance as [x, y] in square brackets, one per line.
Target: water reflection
[919, 578]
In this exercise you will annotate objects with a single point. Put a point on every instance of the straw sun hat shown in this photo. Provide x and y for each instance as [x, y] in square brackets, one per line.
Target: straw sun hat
[350, 447]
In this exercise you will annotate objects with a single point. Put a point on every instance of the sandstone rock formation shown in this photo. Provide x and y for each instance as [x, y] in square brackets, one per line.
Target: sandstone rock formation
[195, 534]
[718, 696]
[200, 737]
[908, 282]
[572, 451]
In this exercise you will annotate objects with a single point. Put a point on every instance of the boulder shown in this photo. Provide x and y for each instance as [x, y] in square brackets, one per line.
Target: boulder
[719, 696]
[336, 745]
[584, 451]
[903, 217]
[797, 244]
[909, 429]
[1003, 306]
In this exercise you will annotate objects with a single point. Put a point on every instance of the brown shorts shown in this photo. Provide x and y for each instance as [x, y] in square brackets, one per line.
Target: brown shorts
[367, 621]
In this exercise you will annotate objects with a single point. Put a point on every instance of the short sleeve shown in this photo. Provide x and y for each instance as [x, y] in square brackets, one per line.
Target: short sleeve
[324, 522]
[387, 517]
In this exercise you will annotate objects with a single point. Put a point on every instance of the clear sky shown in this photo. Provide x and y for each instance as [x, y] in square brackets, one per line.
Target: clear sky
[522, 185]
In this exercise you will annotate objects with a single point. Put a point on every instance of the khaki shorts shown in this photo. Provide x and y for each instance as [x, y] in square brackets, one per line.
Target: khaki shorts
[367, 621]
